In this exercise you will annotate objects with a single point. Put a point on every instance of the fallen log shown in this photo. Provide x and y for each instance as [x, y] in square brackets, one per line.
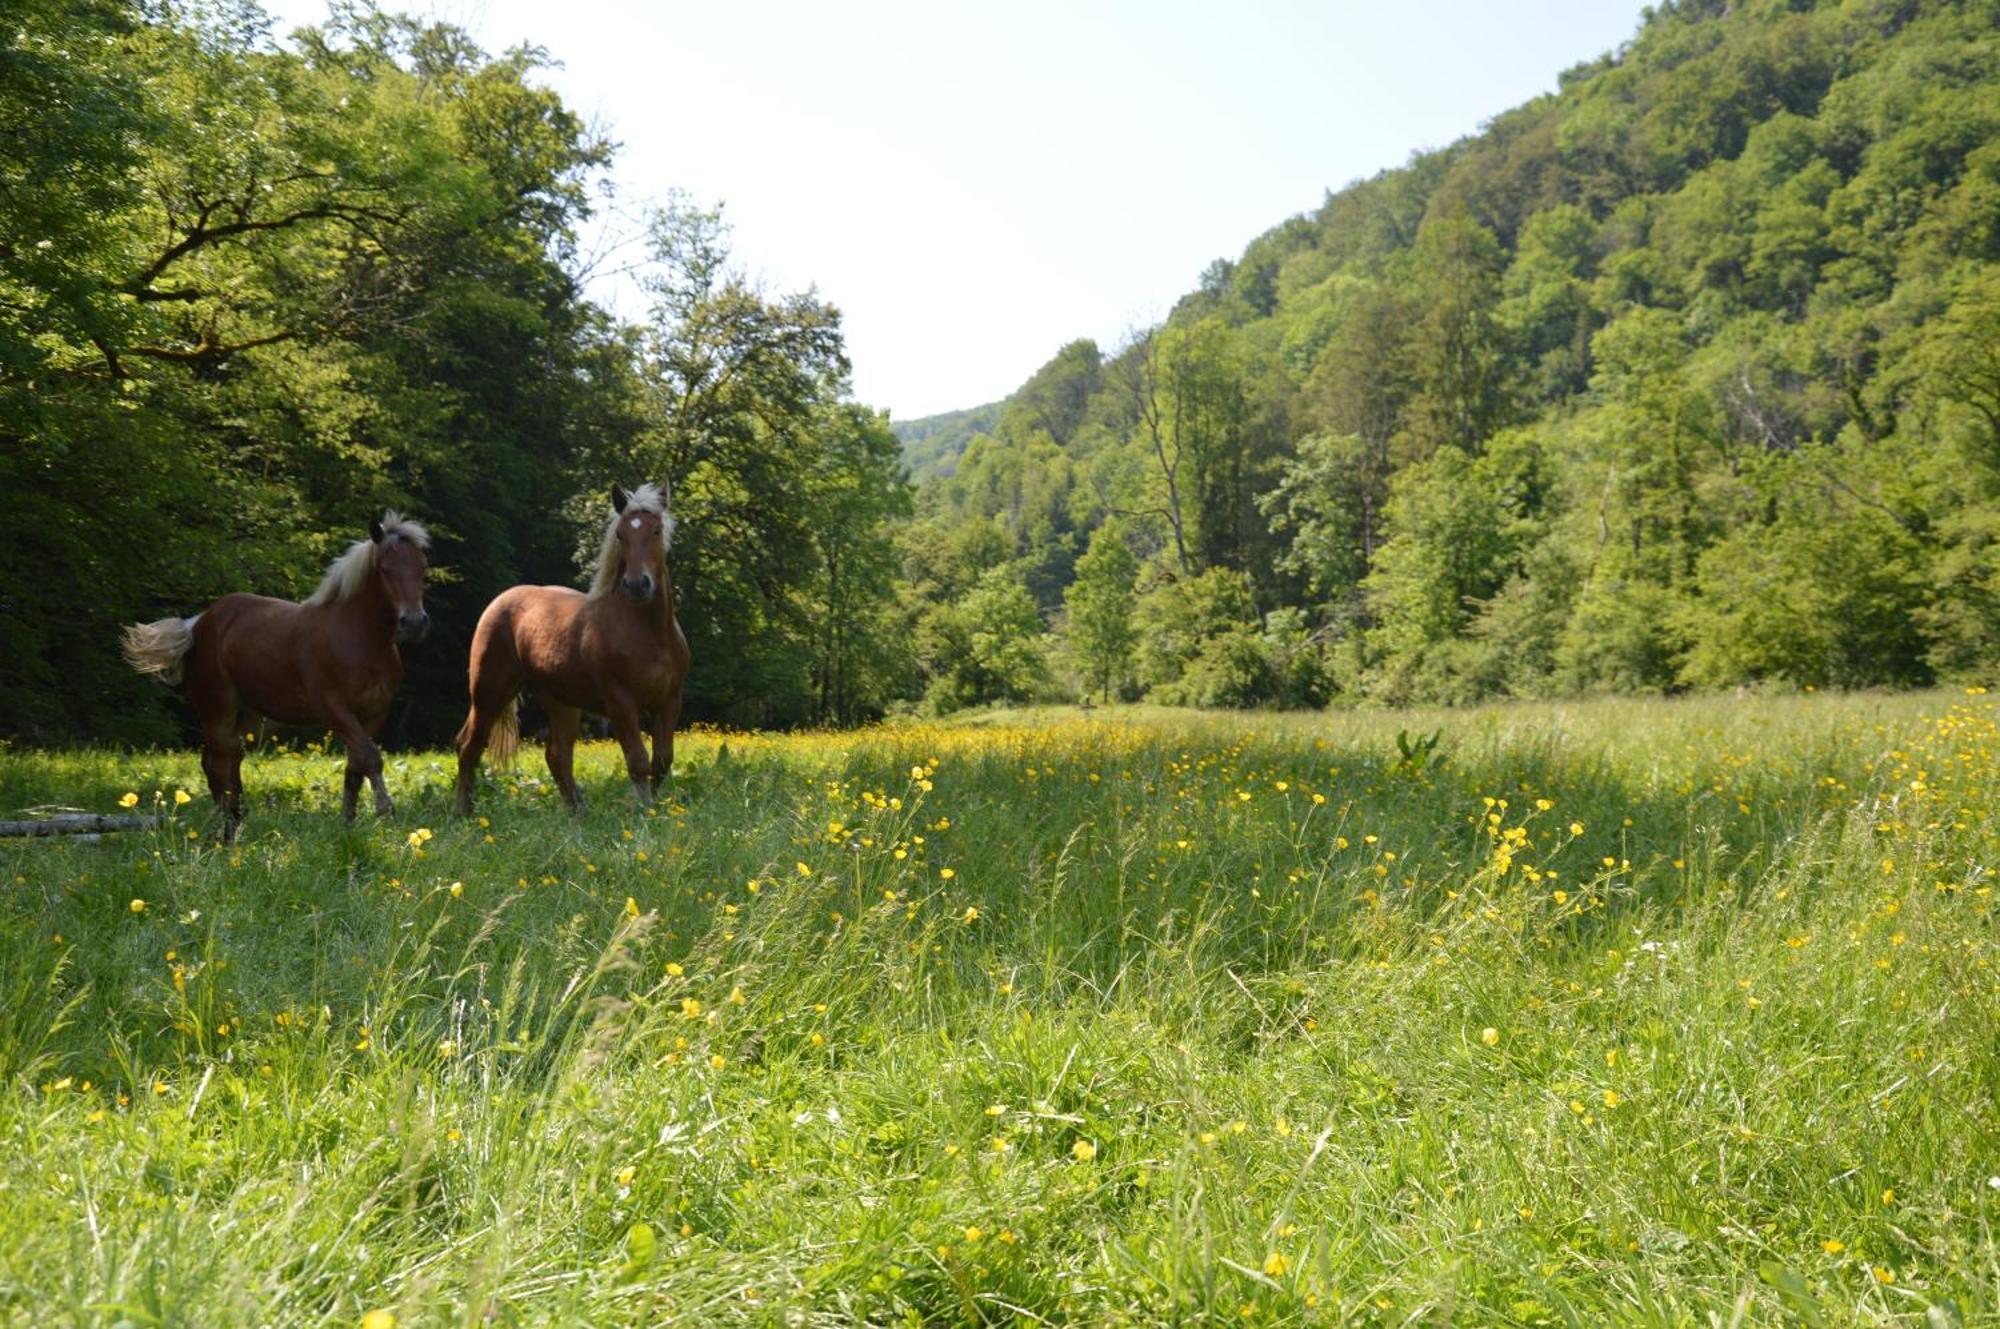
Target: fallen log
[76, 823]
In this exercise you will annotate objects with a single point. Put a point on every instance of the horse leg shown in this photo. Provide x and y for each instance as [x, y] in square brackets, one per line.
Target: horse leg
[472, 737]
[222, 763]
[564, 722]
[471, 744]
[214, 699]
[493, 681]
[664, 719]
[364, 762]
[223, 747]
[623, 713]
[264, 728]
[384, 805]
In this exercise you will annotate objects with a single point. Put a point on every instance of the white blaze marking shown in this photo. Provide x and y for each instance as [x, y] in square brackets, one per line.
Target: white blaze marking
[635, 523]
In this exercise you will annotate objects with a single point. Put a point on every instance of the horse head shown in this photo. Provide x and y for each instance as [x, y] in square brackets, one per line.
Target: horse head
[401, 565]
[642, 529]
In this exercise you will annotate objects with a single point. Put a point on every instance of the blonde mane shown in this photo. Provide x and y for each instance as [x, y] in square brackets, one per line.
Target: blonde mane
[346, 575]
[646, 498]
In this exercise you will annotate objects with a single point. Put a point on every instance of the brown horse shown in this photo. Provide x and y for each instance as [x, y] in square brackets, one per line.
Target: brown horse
[330, 662]
[617, 652]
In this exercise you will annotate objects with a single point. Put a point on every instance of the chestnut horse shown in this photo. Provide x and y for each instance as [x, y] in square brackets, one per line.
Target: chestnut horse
[330, 661]
[617, 652]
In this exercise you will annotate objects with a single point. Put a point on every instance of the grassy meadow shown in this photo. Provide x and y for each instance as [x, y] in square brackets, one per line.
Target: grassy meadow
[1663, 1013]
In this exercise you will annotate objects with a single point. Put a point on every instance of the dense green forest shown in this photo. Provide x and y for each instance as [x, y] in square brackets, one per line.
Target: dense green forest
[933, 444]
[1686, 375]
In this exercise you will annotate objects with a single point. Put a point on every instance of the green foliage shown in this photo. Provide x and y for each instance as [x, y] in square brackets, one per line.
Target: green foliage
[253, 294]
[1414, 755]
[1323, 504]
[932, 444]
[1681, 377]
[1820, 594]
[857, 493]
[242, 355]
[984, 647]
[1099, 604]
[1177, 619]
[1461, 530]
[784, 498]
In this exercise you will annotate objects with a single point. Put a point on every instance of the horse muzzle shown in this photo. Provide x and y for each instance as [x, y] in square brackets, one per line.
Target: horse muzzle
[640, 588]
[413, 627]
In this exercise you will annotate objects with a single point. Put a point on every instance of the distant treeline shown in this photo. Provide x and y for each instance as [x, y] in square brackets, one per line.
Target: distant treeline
[932, 445]
[1687, 375]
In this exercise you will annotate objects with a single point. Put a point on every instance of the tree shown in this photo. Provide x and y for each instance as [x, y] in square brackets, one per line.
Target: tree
[983, 648]
[1325, 503]
[858, 493]
[1178, 616]
[738, 387]
[1823, 595]
[1459, 357]
[1460, 528]
[1360, 388]
[1100, 603]
[1055, 398]
[1158, 433]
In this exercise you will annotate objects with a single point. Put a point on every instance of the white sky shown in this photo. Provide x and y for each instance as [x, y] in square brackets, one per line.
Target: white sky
[974, 185]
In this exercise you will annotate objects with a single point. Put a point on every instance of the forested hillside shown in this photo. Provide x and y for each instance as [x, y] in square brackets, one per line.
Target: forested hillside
[933, 444]
[1684, 376]
[1687, 375]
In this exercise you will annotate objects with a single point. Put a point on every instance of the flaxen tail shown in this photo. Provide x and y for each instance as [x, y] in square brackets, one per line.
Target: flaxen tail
[506, 734]
[159, 648]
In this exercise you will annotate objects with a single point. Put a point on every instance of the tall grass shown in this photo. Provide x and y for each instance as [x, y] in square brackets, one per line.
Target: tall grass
[1651, 1013]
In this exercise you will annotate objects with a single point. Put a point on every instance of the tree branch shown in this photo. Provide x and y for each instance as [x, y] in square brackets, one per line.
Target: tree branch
[201, 235]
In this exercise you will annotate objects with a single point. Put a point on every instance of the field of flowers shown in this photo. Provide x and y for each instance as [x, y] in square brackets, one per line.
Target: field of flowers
[1625, 1012]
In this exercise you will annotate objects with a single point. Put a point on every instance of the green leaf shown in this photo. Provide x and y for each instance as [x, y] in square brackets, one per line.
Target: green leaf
[640, 1247]
[1792, 1288]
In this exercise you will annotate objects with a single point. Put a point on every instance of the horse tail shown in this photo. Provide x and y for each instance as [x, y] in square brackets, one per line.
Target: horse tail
[159, 648]
[506, 734]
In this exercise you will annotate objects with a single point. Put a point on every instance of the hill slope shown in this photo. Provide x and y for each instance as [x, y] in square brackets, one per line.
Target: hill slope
[1675, 377]
[932, 444]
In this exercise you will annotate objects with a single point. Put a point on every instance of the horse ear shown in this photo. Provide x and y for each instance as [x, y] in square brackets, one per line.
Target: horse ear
[667, 494]
[617, 499]
[375, 529]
